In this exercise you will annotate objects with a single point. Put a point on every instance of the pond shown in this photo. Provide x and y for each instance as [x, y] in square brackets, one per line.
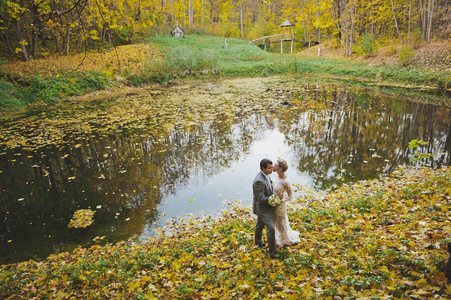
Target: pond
[140, 159]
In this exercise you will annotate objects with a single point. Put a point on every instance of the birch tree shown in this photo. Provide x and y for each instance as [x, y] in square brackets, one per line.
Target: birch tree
[430, 13]
[396, 23]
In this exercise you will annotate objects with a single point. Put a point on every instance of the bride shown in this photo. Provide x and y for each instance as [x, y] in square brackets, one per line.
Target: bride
[285, 236]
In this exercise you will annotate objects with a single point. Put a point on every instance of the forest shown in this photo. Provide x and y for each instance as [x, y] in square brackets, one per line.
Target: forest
[41, 28]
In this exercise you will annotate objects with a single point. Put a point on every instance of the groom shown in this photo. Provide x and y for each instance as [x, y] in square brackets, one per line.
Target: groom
[263, 189]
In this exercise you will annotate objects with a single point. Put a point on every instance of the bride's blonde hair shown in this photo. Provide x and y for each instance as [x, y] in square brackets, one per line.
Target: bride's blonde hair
[283, 164]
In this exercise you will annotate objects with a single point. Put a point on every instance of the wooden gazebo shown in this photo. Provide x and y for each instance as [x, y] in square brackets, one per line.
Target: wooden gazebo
[290, 36]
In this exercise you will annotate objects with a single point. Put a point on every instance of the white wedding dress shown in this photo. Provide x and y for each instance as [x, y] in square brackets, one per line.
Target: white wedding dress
[285, 236]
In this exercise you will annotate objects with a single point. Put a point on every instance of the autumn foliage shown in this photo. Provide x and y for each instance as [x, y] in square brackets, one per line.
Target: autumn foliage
[39, 29]
[109, 62]
[378, 239]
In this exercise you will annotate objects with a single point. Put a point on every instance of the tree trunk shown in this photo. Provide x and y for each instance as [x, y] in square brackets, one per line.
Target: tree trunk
[110, 38]
[191, 12]
[241, 20]
[165, 12]
[172, 13]
[423, 18]
[372, 22]
[345, 13]
[184, 15]
[429, 20]
[102, 35]
[303, 21]
[21, 40]
[219, 12]
[396, 23]
[319, 27]
[34, 43]
[410, 14]
[175, 12]
[351, 37]
[57, 42]
[211, 11]
[34, 30]
[67, 34]
[8, 43]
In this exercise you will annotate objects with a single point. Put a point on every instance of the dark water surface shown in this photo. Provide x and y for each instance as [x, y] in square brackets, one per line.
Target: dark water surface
[144, 158]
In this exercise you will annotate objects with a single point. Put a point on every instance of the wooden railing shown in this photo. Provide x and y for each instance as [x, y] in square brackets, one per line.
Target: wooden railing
[283, 37]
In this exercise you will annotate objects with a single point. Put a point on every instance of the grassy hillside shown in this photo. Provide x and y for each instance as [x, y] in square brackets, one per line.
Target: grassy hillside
[165, 58]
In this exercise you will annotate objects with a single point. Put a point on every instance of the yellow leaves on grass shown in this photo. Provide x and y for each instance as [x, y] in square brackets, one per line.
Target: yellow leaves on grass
[82, 218]
[130, 57]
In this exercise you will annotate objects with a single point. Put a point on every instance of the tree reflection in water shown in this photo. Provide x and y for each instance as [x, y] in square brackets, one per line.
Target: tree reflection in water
[126, 167]
[355, 135]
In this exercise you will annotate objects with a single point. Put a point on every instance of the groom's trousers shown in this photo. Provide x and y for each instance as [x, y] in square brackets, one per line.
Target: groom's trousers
[270, 234]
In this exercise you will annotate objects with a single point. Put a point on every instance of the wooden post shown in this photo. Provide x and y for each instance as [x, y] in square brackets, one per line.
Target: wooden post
[281, 40]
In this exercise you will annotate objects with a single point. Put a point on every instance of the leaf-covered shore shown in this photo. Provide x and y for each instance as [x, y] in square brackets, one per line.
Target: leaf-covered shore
[378, 239]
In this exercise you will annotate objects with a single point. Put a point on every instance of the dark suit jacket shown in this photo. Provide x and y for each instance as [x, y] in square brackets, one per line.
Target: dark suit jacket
[262, 191]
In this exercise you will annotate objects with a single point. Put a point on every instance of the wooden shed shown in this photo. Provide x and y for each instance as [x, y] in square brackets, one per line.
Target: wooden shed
[177, 31]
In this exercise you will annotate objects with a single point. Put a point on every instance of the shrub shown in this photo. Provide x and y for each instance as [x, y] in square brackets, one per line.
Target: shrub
[390, 51]
[61, 86]
[367, 45]
[197, 30]
[416, 38]
[7, 95]
[2, 62]
[336, 43]
[188, 61]
[405, 55]
[92, 81]
[178, 62]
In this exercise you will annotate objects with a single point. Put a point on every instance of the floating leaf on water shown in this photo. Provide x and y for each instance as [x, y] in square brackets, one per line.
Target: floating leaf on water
[82, 218]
